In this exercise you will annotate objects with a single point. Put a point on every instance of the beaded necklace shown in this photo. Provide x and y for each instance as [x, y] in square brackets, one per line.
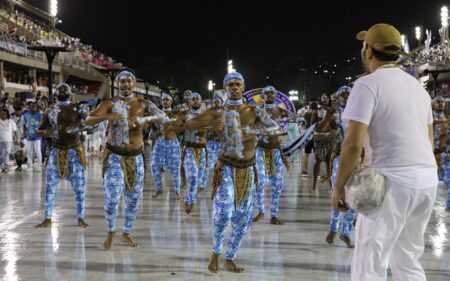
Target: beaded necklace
[63, 103]
[125, 97]
[269, 106]
[234, 102]
[388, 65]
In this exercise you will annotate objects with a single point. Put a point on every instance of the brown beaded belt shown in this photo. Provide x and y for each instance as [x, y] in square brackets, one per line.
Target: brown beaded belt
[123, 151]
[216, 139]
[66, 146]
[62, 157]
[268, 145]
[195, 145]
[241, 177]
[128, 163]
[226, 160]
[268, 158]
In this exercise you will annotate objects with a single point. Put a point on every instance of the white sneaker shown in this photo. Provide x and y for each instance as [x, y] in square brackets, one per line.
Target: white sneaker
[38, 168]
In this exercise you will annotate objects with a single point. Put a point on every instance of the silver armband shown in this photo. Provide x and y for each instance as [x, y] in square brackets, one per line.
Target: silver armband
[146, 119]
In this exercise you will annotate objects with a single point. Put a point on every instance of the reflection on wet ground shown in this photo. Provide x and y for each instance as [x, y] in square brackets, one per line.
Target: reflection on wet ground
[175, 246]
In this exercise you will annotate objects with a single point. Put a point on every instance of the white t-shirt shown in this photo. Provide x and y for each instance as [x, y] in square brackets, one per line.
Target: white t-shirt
[7, 127]
[397, 110]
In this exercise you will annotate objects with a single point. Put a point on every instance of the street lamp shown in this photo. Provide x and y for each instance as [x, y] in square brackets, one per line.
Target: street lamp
[418, 30]
[50, 53]
[111, 73]
[210, 88]
[210, 85]
[444, 16]
[444, 22]
[404, 41]
[230, 67]
[53, 8]
[293, 95]
[147, 86]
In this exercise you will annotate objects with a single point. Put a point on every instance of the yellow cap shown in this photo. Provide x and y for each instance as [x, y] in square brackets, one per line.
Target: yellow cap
[382, 37]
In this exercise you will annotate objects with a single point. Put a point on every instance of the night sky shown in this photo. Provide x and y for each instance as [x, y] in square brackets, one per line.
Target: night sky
[261, 36]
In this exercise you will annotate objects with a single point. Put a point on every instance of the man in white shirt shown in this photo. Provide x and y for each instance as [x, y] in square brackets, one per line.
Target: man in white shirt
[389, 114]
[8, 132]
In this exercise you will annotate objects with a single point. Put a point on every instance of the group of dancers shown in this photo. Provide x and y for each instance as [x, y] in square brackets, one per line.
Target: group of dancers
[441, 125]
[240, 142]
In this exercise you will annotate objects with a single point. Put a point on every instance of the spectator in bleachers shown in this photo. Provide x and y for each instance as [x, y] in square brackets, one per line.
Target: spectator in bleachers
[16, 98]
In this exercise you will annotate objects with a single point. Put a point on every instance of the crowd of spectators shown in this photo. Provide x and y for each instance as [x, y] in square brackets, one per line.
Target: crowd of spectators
[81, 89]
[437, 53]
[23, 77]
[20, 101]
[37, 34]
[20, 77]
[29, 148]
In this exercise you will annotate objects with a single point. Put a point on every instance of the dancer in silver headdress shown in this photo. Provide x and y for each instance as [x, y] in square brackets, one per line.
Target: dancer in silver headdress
[166, 151]
[234, 174]
[123, 163]
[67, 159]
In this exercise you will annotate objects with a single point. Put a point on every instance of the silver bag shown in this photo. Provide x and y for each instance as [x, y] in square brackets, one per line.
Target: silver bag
[365, 190]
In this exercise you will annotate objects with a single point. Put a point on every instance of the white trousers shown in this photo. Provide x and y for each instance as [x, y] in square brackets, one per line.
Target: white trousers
[33, 147]
[393, 236]
[95, 141]
[5, 150]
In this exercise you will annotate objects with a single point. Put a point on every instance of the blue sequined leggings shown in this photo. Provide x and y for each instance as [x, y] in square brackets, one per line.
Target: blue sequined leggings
[276, 181]
[348, 217]
[446, 175]
[213, 149]
[114, 186]
[76, 176]
[193, 174]
[224, 211]
[166, 153]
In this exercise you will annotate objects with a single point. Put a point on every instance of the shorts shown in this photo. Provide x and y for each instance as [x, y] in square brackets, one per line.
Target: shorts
[309, 146]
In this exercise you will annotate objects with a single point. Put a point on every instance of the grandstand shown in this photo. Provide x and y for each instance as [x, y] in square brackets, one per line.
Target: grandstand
[23, 70]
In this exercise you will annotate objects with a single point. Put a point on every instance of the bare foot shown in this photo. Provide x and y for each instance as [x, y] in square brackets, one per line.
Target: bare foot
[347, 242]
[159, 192]
[200, 189]
[330, 237]
[126, 238]
[82, 223]
[231, 266]
[177, 196]
[213, 265]
[258, 217]
[189, 208]
[107, 245]
[44, 224]
[276, 221]
[324, 179]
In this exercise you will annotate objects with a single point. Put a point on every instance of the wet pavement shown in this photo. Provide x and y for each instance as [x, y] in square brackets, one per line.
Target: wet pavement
[176, 246]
